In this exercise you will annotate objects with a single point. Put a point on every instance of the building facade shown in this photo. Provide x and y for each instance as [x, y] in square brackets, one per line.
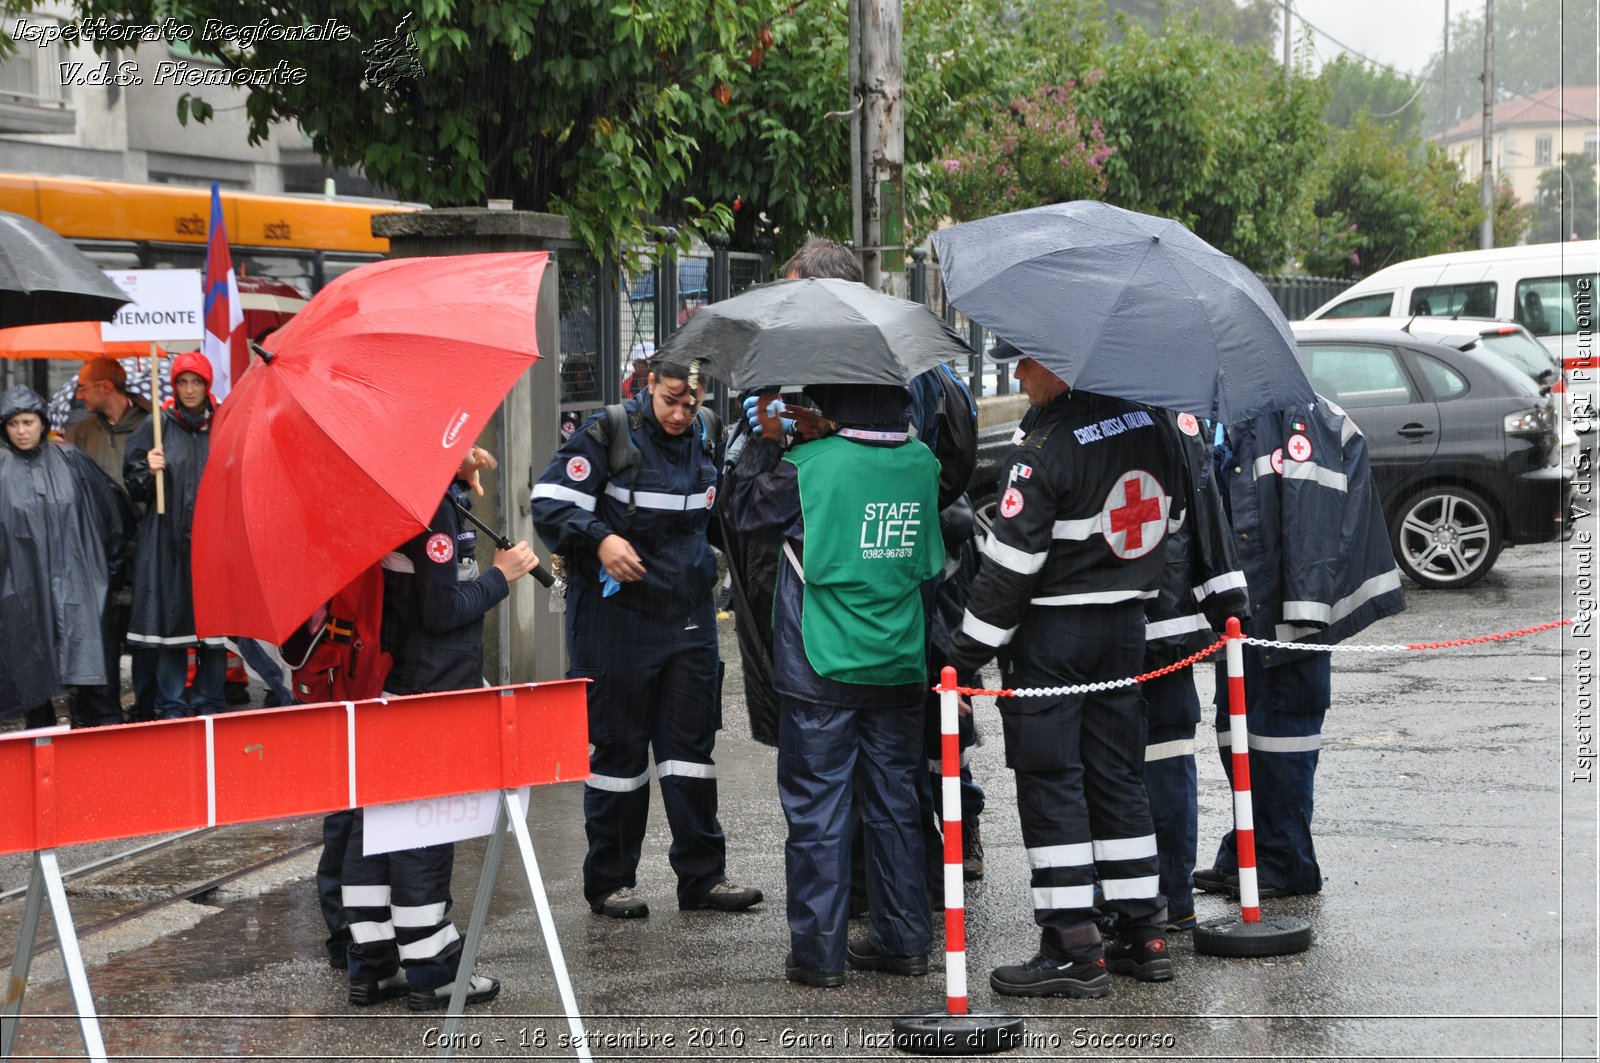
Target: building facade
[66, 110]
[1529, 134]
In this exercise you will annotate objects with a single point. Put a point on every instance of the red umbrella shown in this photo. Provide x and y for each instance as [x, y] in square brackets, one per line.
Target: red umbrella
[340, 446]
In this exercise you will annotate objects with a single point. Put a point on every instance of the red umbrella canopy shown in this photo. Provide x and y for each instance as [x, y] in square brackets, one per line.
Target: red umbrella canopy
[341, 445]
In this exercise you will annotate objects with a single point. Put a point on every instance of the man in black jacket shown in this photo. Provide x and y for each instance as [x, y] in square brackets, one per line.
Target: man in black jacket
[1075, 554]
[1201, 587]
[114, 415]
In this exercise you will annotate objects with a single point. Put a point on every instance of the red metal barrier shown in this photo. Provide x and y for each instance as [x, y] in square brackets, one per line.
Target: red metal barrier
[63, 787]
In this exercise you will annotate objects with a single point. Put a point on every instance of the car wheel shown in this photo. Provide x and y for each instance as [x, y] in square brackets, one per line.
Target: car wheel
[1445, 537]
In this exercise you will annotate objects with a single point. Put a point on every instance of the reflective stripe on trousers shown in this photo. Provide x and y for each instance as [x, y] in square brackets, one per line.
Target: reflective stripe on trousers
[397, 906]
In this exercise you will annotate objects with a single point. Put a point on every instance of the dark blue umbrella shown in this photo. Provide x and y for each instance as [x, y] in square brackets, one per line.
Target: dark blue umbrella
[1126, 304]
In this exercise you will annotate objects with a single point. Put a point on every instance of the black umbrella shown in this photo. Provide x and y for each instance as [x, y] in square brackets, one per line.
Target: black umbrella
[44, 279]
[791, 333]
[1126, 304]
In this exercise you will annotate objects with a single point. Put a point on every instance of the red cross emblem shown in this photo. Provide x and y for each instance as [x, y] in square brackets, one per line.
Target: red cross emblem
[1277, 461]
[1299, 447]
[578, 469]
[441, 548]
[711, 496]
[1188, 424]
[1011, 502]
[1134, 517]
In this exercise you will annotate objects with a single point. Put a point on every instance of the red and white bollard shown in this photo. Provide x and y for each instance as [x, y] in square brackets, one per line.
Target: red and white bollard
[1244, 820]
[1249, 934]
[955, 905]
[957, 1029]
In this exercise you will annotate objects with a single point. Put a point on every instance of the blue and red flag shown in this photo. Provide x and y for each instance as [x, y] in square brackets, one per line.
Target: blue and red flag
[223, 341]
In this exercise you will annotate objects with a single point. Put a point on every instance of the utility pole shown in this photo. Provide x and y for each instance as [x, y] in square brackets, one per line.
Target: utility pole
[1444, 75]
[879, 155]
[1288, 21]
[1486, 193]
[857, 230]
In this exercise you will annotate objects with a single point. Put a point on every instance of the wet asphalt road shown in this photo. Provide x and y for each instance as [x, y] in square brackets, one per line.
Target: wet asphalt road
[1458, 920]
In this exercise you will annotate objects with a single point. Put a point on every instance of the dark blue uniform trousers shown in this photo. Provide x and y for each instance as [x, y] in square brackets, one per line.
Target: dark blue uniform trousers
[930, 794]
[656, 688]
[397, 905]
[832, 758]
[1172, 710]
[330, 866]
[930, 807]
[1284, 707]
[1078, 761]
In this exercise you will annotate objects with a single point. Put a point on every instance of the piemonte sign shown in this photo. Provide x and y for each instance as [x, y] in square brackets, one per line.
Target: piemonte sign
[166, 305]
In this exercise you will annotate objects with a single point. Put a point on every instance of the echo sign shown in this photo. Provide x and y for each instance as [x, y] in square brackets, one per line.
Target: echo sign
[432, 821]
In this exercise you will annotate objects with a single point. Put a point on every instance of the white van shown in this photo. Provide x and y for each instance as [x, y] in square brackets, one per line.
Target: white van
[1549, 288]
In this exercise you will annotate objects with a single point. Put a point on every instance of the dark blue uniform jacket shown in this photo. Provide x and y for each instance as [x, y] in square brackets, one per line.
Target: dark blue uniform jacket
[434, 601]
[1309, 528]
[577, 503]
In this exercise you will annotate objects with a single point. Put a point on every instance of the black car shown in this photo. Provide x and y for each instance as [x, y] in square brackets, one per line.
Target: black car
[1465, 446]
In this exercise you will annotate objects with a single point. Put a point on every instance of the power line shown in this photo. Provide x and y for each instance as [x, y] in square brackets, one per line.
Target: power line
[1378, 62]
[1403, 106]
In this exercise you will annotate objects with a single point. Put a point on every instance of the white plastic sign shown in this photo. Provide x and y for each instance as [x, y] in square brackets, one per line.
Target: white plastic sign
[413, 824]
[167, 305]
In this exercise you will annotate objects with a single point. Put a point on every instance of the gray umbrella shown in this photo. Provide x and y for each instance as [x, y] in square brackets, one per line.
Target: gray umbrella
[44, 279]
[1126, 304]
[791, 333]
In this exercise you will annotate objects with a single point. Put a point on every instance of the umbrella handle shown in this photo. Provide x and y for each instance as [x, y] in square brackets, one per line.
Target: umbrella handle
[155, 425]
[808, 423]
[540, 573]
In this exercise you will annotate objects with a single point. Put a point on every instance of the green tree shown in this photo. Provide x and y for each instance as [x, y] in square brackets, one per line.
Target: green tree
[1247, 23]
[587, 108]
[1512, 217]
[1040, 150]
[1375, 205]
[1355, 87]
[1210, 135]
[1193, 129]
[780, 148]
[1564, 203]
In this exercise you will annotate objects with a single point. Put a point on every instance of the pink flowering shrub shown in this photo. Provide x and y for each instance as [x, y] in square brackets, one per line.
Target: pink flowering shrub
[1037, 150]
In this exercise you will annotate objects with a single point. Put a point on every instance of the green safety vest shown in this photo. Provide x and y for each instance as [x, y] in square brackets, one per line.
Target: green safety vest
[872, 536]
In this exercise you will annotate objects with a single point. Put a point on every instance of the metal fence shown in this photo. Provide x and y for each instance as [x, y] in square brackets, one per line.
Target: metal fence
[612, 320]
[1298, 296]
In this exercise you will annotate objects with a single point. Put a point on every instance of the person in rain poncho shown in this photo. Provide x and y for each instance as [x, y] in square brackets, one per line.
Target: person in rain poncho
[858, 512]
[114, 415]
[62, 523]
[163, 594]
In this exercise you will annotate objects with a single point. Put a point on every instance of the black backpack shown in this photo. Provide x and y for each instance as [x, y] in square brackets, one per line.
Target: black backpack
[955, 437]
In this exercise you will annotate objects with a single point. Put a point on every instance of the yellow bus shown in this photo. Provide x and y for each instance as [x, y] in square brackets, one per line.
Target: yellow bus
[305, 241]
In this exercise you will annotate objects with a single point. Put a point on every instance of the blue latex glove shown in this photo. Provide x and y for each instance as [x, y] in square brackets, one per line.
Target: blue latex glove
[608, 585]
[774, 408]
